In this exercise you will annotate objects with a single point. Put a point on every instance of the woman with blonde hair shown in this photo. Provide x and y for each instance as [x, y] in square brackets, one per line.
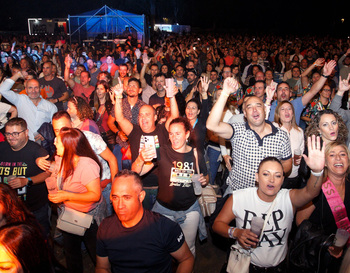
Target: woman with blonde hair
[285, 120]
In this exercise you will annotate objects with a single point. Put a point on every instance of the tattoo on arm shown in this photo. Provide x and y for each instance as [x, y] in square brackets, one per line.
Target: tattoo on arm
[318, 177]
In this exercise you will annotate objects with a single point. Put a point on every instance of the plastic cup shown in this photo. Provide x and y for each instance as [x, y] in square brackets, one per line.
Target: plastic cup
[10, 177]
[340, 239]
[196, 184]
[257, 224]
[169, 83]
[51, 184]
[297, 156]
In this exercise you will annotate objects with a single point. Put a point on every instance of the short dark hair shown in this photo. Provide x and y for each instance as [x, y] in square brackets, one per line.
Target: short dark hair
[17, 122]
[129, 173]
[61, 114]
[135, 80]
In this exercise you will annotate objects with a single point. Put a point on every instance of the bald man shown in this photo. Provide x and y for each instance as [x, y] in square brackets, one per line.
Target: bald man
[31, 107]
[140, 135]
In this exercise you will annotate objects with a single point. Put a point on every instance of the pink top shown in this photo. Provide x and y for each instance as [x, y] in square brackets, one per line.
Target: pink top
[86, 171]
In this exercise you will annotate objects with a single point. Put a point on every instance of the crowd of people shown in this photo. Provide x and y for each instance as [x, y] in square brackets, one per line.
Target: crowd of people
[117, 135]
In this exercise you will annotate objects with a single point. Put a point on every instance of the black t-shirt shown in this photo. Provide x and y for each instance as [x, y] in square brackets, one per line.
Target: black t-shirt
[175, 190]
[136, 139]
[22, 164]
[54, 89]
[323, 216]
[145, 247]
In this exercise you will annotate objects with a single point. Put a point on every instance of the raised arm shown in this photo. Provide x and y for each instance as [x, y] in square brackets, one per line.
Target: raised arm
[305, 75]
[123, 123]
[214, 122]
[146, 61]
[174, 109]
[316, 162]
[337, 100]
[68, 61]
[316, 87]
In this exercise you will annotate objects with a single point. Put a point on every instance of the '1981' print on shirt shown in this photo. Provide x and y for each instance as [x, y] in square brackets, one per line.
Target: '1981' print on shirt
[181, 174]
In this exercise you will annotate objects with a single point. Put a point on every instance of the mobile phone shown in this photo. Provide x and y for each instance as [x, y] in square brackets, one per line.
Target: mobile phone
[150, 142]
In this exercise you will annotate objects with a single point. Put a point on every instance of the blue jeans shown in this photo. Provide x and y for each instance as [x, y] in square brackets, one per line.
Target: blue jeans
[150, 198]
[189, 220]
[122, 164]
[106, 195]
[214, 163]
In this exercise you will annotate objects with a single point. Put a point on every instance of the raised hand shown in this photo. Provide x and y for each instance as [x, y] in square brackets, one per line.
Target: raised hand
[328, 67]
[230, 86]
[146, 60]
[68, 61]
[270, 90]
[205, 83]
[344, 84]
[319, 62]
[316, 158]
[118, 89]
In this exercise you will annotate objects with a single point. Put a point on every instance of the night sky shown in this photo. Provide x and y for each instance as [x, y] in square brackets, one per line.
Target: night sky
[279, 17]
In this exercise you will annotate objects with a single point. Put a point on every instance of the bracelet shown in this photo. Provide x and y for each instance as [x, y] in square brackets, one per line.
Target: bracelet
[322, 75]
[230, 231]
[57, 100]
[226, 95]
[317, 174]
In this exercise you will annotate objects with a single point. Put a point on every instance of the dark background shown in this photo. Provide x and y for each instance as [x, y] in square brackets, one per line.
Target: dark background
[278, 17]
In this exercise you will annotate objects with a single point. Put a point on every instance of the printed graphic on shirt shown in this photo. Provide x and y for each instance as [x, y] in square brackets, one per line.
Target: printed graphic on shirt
[181, 174]
[273, 233]
[11, 170]
[48, 90]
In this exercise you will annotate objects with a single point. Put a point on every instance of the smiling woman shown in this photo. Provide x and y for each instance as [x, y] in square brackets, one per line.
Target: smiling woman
[270, 252]
[321, 211]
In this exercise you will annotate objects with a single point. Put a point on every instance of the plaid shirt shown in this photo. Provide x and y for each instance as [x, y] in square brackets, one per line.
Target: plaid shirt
[248, 149]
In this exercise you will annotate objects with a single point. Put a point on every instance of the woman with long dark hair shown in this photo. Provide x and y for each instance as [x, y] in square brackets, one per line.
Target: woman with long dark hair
[103, 107]
[78, 182]
[23, 250]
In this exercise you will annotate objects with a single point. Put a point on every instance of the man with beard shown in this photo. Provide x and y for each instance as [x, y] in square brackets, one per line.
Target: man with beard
[55, 89]
[130, 105]
[159, 98]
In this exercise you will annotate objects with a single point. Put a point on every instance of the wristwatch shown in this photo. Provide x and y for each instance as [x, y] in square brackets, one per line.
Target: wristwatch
[30, 182]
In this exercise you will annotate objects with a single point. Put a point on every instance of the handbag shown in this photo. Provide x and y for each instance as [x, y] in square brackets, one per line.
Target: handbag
[239, 260]
[207, 200]
[73, 221]
[308, 247]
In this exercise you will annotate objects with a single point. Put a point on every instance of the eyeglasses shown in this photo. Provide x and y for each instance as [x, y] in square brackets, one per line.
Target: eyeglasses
[14, 134]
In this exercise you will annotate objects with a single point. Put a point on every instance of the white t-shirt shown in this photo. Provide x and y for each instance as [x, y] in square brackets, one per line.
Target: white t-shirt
[4, 108]
[272, 249]
[98, 146]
